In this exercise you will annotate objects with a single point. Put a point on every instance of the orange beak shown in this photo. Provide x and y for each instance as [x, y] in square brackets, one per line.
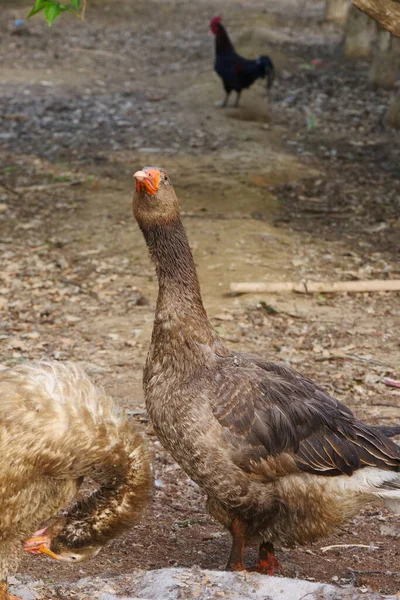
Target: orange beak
[147, 181]
[40, 544]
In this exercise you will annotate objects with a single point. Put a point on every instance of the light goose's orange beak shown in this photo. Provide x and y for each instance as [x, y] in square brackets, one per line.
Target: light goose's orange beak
[147, 181]
[40, 544]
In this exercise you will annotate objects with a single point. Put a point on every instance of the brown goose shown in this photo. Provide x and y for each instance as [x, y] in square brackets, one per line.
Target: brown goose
[278, 457]
[56, 428]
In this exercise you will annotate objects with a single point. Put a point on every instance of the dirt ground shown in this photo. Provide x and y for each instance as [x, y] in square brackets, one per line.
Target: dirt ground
[304, 187]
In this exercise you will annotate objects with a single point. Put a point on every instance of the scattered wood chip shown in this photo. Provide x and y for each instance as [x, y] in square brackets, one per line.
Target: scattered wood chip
[391, 382]
[370, 546]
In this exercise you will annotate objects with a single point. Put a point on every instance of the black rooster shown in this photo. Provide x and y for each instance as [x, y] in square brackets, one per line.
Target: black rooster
[236, 72]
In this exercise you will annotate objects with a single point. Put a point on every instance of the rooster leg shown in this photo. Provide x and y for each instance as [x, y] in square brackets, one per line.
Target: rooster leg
[225, 100]
[4, 595]
[237, 99]
[236, 557]
[267, 562]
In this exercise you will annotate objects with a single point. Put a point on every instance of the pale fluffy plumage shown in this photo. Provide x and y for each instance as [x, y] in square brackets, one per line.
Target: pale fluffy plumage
[278, 457]
[57, 427]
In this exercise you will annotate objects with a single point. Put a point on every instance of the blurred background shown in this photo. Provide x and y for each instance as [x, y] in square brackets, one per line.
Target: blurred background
[302, 185]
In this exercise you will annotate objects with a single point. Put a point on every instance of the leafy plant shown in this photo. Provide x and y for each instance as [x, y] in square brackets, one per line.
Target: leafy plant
[53, 9]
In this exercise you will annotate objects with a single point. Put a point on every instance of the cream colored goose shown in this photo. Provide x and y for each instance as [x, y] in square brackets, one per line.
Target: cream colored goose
[279, 458]
[56, 428]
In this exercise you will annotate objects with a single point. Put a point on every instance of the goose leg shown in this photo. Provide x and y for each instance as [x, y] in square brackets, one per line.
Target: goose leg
[267, 562]
[4, 595]
[236, 557]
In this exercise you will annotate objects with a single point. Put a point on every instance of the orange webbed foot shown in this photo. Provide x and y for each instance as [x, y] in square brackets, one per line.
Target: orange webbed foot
[267, 562]
[236, 567]
[4, 593]
[268, 567]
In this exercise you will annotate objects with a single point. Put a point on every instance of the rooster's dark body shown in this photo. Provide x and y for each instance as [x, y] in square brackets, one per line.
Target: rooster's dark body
[237, 73]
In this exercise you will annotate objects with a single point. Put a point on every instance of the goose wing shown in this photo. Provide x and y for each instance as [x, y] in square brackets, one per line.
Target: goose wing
[270, 410]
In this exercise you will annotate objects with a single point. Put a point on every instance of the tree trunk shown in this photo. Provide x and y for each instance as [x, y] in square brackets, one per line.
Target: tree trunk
[385, 12]
[337, 10]
[359, 35]
[393, 113]
[386, 62]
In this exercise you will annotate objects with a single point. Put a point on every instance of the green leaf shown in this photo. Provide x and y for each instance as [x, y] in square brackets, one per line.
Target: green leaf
[311, 122]
[52, 11]
[39, 5]
[61, 178]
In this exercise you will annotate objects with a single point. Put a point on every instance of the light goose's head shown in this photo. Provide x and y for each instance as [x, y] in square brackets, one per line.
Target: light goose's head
[154, 201]
[51, 541]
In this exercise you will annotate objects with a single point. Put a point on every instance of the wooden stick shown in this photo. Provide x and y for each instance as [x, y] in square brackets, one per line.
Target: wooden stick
[370, 547]
[307, 287]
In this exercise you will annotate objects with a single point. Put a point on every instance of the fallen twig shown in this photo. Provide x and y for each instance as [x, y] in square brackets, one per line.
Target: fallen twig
[306, 287]
[40, 188]
[370, 546]
[38, 248]
[98, 51]
[340, 356]
[83, 289]
[83, 9]
[387, 404]
[271, 310]
[9, 188]
[388, 573]
[391, 382]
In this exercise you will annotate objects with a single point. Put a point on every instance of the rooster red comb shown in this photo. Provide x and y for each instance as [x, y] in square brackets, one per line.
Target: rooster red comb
[215, 20]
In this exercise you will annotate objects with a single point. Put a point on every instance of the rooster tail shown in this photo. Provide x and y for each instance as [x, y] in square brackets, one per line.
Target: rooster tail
[267, 70]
